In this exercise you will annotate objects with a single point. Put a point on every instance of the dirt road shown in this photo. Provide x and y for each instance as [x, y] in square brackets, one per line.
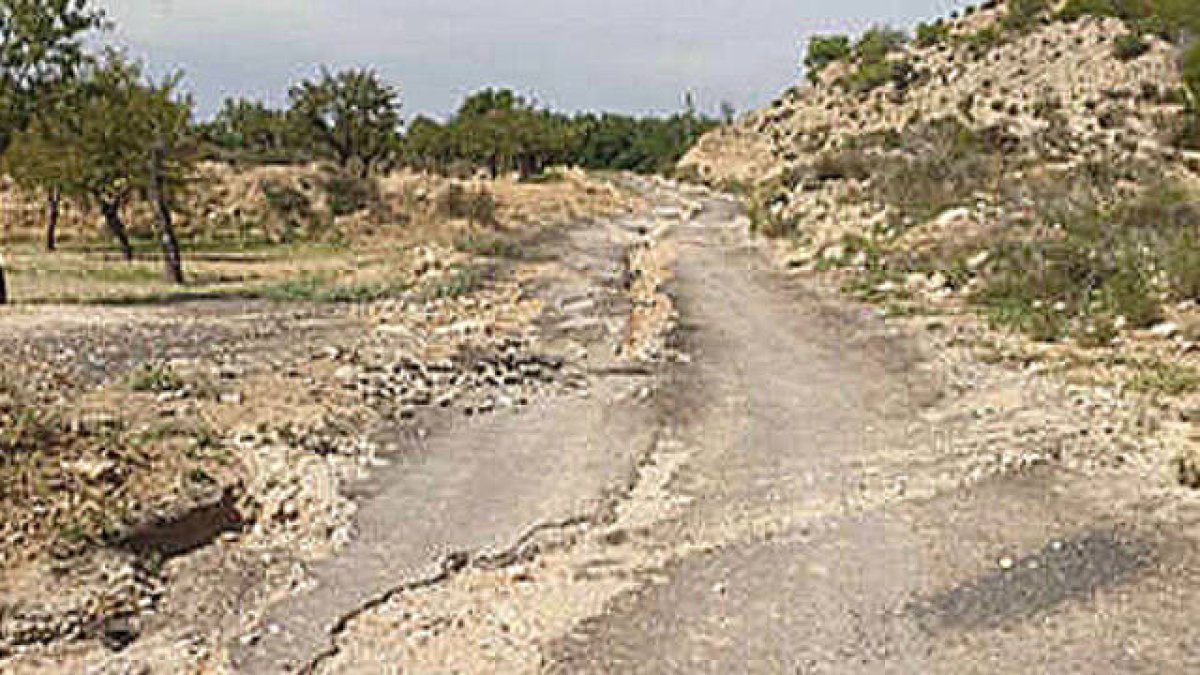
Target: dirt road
[788, 484]
[798, 418]
[807, 511]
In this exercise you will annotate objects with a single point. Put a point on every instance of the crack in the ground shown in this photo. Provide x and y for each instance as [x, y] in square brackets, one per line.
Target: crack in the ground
[525, 548]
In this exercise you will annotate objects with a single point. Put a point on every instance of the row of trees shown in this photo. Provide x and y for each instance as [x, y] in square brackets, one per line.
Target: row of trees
[94, 128]
[353, 118]
[505, 133]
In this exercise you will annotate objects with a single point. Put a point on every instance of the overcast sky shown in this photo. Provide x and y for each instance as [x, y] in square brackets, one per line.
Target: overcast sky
[627, 55]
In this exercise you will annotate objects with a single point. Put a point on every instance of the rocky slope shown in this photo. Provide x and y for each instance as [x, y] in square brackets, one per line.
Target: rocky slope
[1032, 185]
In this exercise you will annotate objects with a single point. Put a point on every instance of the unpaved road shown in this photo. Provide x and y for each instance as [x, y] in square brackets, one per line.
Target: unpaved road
[809, 518]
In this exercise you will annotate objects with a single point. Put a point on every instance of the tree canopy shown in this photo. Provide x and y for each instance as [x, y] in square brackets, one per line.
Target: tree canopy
[351, 117]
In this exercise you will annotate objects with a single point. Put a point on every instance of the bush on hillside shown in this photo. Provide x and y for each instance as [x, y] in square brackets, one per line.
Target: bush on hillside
[1104, 264]
[350, 193]
[824, 50]
[874, 45]
[1130, 47]
[940, 164]
[1024, 15]
[932, 34]
[1191, 71]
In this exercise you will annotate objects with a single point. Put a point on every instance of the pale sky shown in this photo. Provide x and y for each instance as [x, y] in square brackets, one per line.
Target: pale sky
[626, 55]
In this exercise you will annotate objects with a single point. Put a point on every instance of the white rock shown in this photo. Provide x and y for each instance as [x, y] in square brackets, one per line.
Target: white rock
[979, 260]
[953, 215]
[1166, 330]
[833, 254]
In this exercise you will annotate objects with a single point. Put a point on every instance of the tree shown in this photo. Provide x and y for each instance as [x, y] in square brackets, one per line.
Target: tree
[39, 159]
[351, 117]
[428, 145]
[163, 119]
[114, 136]
[824, 50]
[250, 129]
[41, 44]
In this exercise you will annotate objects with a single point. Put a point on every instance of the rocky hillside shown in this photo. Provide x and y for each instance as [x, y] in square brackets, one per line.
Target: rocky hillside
[1018, 167]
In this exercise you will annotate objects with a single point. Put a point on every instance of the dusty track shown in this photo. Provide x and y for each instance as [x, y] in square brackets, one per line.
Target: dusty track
[797, 487]
[806, 511]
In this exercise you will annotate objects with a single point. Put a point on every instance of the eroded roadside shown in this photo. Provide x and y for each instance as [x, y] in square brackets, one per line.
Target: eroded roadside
[280, 420]
[833, 492]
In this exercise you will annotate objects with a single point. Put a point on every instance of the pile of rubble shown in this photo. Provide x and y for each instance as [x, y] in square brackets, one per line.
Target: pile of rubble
[506, 378]
[118, 594]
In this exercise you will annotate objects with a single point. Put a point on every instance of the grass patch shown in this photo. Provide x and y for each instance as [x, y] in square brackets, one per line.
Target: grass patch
[155, 377]
[320, 289]
[463, 280]
[1165, 378]
[490, 245]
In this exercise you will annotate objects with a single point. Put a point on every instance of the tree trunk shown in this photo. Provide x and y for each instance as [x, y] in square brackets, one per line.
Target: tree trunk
[53, 202]
[172, 260]
[3, 286]
[112, 219]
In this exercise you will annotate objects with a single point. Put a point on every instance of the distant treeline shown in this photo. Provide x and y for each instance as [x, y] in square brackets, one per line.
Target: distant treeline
[496, 130]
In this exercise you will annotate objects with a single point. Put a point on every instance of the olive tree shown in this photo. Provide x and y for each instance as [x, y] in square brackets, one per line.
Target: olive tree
[117, 136]
[40, 159]
[41, 46]
[351, 117]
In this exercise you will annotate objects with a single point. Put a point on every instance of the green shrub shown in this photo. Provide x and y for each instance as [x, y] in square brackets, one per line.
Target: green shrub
[1162, 377]
[155, 377]
[868, 76]
[1182, 266]
[983, 40]
[1023, 15]
[846, 164]
[490, 245]
[349, 193]
[823, 50]
[943, 163]
[762, 208]
[1121, 9]
[1130, 46]
[285, 200]
[932, 34]
[875, 44]
[462, 281]
[1104, 264]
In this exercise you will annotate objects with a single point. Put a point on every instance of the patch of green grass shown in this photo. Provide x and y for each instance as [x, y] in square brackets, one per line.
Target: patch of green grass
[463, 280]
[316, 288]
[491, 245]
[1165, 378]
[155, 377]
